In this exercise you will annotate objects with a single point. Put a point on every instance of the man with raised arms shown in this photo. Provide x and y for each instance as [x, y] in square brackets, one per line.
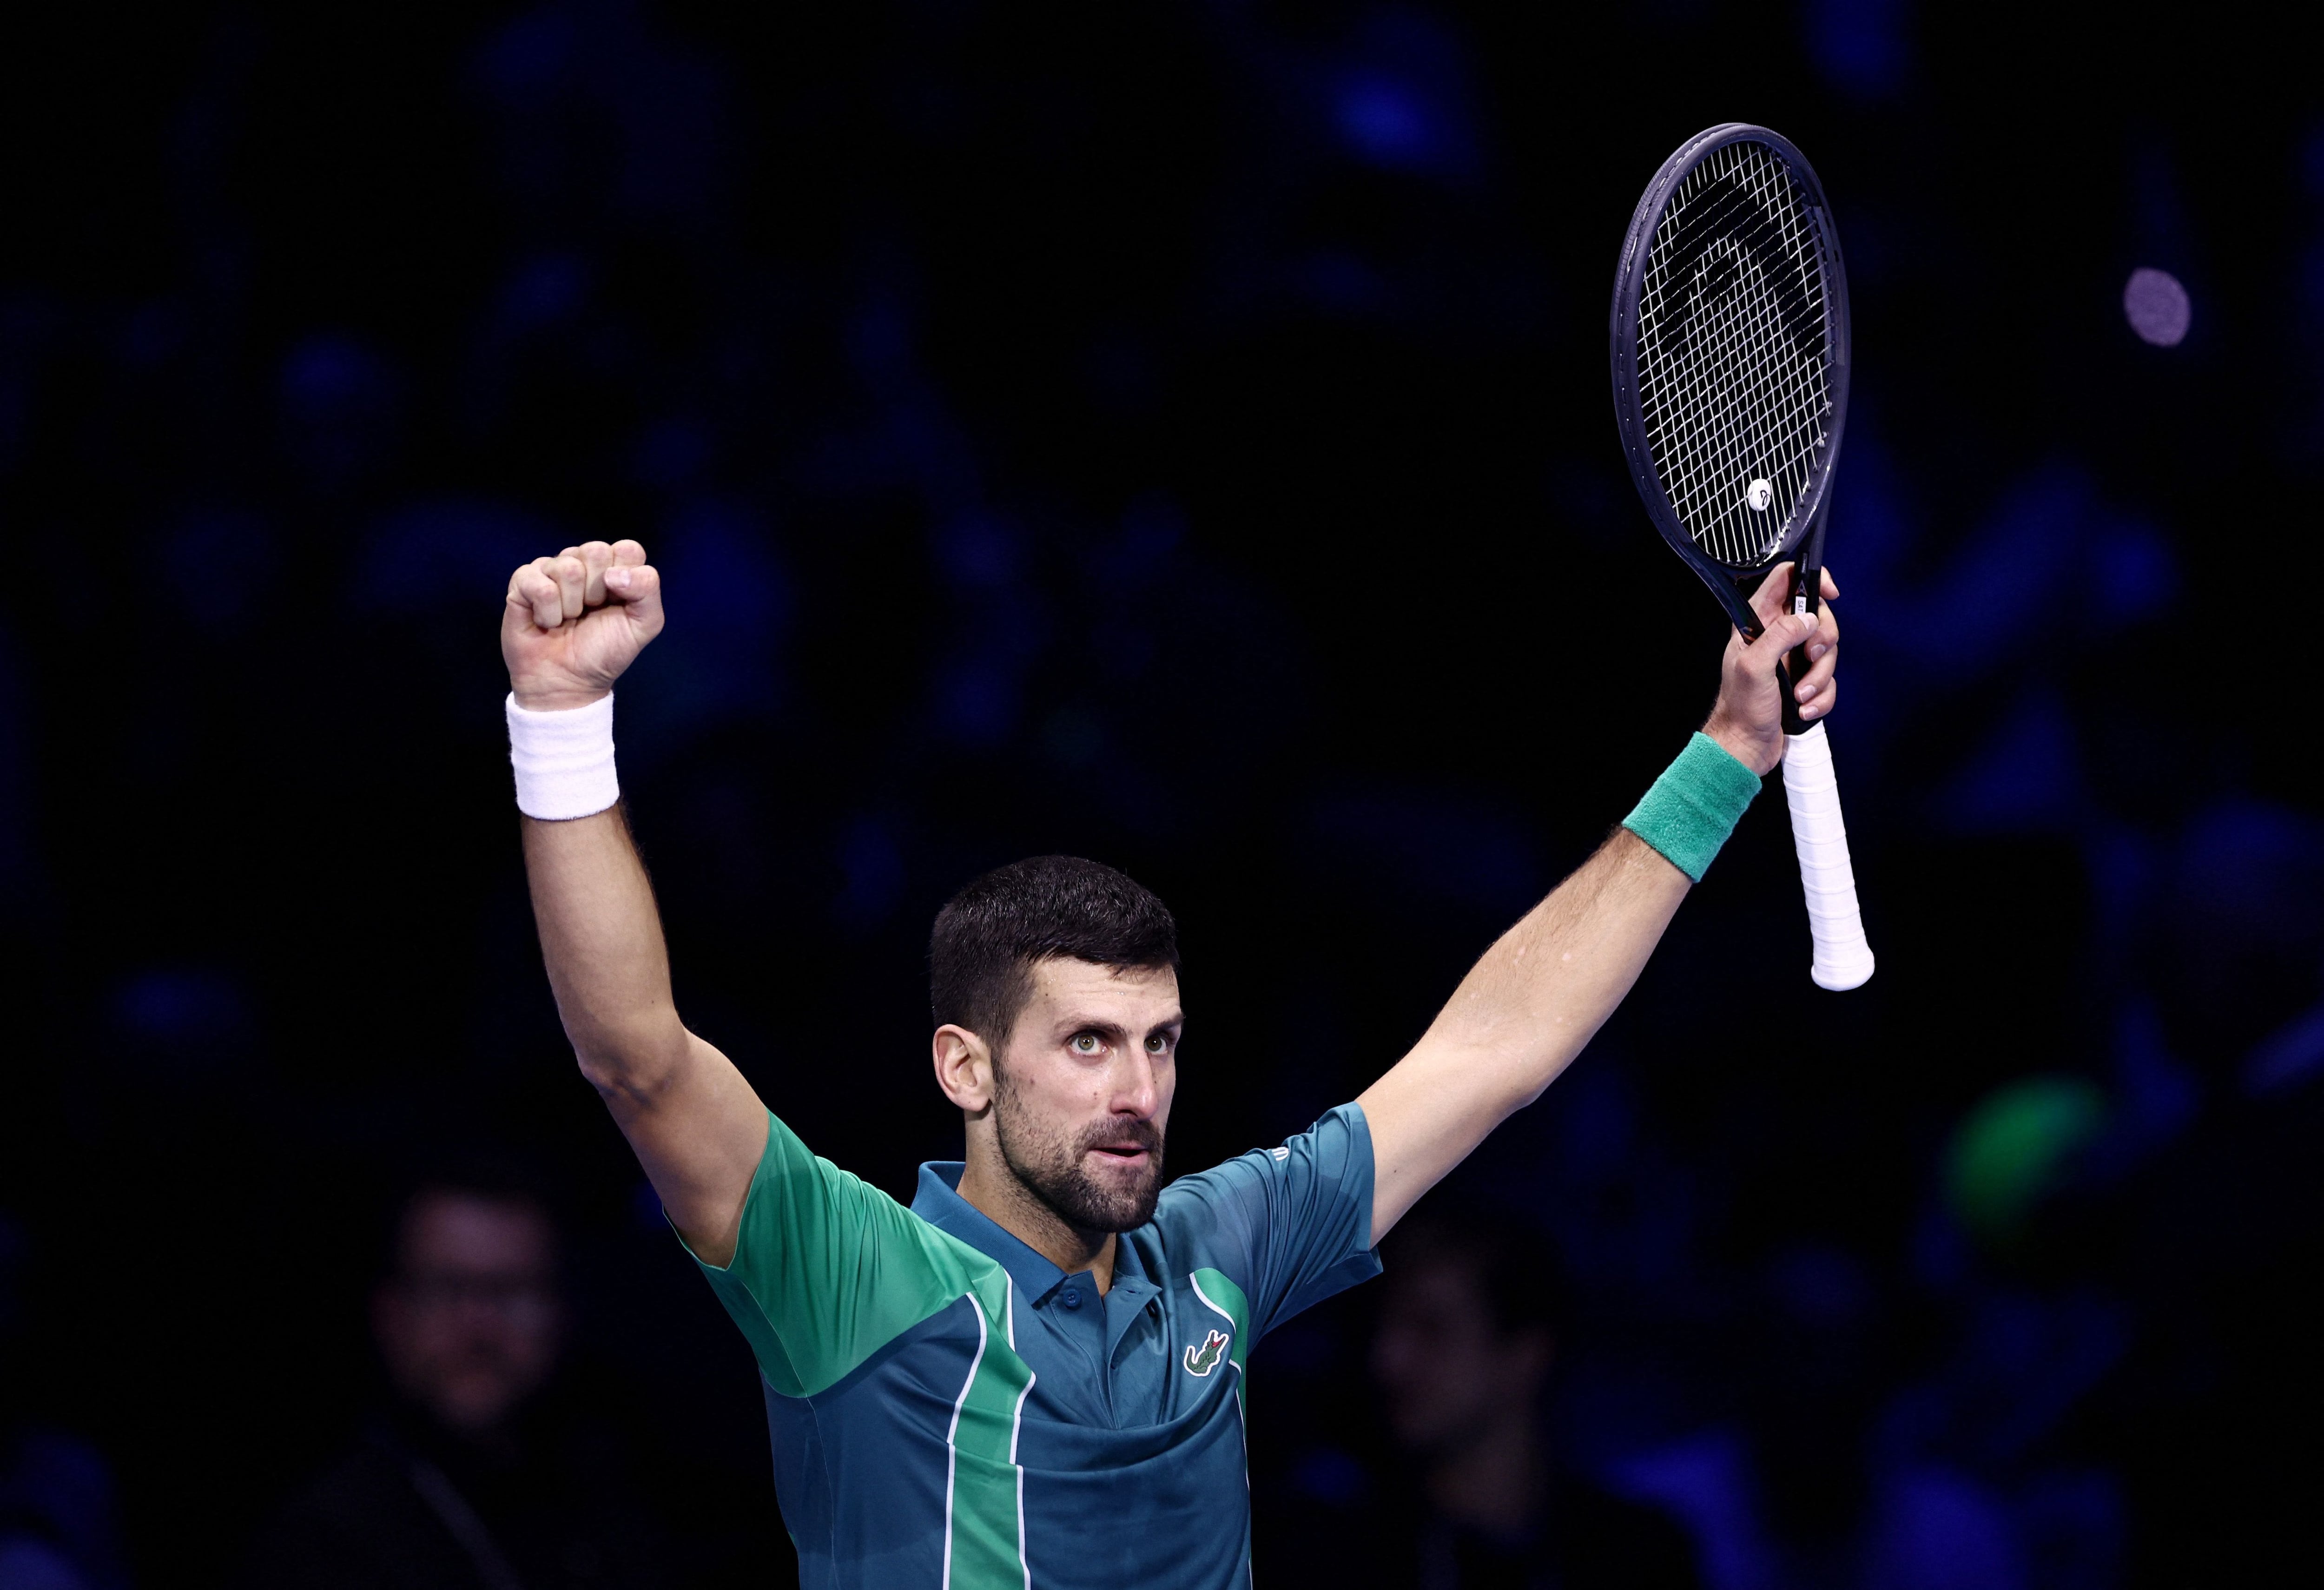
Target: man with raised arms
[1033, 1376]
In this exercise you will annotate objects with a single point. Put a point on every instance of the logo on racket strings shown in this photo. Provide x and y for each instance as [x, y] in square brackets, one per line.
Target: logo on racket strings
[1759, 495]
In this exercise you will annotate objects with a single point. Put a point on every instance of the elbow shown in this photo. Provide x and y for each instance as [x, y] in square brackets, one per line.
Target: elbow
[633, 1067]
[1513, 1081]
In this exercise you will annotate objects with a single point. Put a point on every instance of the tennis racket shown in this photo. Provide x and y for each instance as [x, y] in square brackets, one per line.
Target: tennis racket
[1730, 334]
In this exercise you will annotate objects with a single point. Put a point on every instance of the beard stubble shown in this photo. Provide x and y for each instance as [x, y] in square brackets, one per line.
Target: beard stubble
[1048, 1165]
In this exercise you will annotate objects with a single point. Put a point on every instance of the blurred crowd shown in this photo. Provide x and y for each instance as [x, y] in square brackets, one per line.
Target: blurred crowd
[1180, 437]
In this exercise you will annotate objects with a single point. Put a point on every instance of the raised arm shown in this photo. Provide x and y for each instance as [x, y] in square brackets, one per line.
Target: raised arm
[1541, 992]
[571, 626]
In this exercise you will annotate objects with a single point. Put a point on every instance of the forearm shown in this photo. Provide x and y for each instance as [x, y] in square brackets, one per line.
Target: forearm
[1523, 1012]
[602, 939]
[1539, 994]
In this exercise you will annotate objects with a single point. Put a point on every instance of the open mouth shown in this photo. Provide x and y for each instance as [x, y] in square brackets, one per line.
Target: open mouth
[1125, 1153]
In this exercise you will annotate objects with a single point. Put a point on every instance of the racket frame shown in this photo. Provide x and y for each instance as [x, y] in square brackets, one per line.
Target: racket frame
[1802, 537]
[1843, 959]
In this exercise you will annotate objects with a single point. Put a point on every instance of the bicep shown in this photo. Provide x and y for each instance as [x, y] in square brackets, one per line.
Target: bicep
[699, 1130]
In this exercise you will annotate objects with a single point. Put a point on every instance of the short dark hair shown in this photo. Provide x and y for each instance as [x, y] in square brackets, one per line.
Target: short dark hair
[466, 1172]
[991, 935]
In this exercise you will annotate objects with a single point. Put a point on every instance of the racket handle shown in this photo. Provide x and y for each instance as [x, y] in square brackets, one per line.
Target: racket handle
[1842, 958]
[1807, 594]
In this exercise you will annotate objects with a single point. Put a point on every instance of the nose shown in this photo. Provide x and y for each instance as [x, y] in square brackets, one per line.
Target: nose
[1136, 1089]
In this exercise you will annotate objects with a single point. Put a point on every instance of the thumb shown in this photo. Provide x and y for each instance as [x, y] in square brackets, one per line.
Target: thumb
[637, 590]
[1783, 634]
[1799, 629]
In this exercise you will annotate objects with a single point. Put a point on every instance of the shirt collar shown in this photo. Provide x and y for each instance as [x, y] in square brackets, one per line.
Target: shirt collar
[938, 1202]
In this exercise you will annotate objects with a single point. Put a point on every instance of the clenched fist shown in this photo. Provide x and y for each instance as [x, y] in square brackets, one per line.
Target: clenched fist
[573, 622]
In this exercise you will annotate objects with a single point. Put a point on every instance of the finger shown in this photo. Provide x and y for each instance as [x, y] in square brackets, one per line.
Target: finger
[596, 557]
[1785, 633]
[1826, 637]
[638, 589]
[533, 593]
[1823, 636]
[1825, 699]
[1831, 588]
[1823, 658]
[628, 552]
[1795, 630]
[572, 577]
[548, 598]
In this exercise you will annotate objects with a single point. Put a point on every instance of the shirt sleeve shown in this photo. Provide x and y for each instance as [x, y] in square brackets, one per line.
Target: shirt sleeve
[1290, 1226]
[827, 1269]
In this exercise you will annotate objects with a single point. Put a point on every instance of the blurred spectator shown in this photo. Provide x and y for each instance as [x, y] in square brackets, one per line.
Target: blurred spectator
[478, 1471]
[1463, 1357]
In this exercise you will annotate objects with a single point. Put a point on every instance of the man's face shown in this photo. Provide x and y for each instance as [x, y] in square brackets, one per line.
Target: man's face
[470, 1324]
[1448, 1369]
[1081, 1091]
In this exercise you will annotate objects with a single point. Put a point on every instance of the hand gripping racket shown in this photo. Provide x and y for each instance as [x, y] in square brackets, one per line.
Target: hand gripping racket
[1729, 337]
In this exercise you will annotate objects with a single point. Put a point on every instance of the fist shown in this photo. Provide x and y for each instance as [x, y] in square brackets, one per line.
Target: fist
[1748, 719]
[573, 622]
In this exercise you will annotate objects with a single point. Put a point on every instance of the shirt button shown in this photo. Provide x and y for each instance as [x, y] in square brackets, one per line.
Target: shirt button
[1071, 1297]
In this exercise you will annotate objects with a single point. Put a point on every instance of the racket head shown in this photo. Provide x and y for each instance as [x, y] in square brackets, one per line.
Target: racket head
[1729, 343]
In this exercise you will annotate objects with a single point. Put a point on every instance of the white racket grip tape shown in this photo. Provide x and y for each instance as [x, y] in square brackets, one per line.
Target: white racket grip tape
[1842, 958]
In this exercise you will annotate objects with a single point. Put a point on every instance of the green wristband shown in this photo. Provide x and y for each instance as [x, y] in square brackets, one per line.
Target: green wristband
[1694, 805]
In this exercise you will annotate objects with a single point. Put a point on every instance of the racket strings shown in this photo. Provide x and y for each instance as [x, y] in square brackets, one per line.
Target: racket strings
[1741, 381]
[1722, 410]
[1734, 383]
[1747, 429]
[1733, 349]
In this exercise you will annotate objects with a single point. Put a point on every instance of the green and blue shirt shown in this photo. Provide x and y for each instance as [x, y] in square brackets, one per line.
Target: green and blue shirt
[950, 1410]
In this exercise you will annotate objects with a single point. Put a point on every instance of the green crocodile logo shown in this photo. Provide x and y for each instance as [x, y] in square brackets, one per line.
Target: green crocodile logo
[1202, 1360]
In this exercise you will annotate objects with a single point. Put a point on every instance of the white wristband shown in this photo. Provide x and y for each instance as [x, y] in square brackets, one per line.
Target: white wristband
[564, 761]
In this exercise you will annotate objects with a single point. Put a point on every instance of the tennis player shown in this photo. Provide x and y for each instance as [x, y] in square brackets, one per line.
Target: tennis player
[1033, 1376]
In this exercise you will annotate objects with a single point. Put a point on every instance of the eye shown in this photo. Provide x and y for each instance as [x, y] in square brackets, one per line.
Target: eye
[1087, 1043]
[1157, 1043]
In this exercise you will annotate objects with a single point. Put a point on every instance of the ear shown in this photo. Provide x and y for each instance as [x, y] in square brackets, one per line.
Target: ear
[963, 1067]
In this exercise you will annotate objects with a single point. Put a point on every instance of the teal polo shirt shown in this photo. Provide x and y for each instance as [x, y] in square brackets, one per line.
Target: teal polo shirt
[950, 1410]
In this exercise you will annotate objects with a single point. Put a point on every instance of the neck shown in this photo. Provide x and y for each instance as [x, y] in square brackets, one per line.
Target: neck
[1494, 1481]
[1010, 1205]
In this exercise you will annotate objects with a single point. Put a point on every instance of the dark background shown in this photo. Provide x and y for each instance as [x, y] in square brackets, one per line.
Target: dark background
[1179, 436]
